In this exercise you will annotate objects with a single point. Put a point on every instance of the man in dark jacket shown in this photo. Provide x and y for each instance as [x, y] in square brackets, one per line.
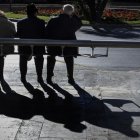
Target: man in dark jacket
[34, 28]
[7, 30]
[62, 27]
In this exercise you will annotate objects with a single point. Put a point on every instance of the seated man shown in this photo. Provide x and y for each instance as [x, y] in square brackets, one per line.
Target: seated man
[62, 27]
[7, 30]
[31, 27]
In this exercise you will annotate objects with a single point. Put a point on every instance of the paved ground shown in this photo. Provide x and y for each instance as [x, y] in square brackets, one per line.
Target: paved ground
[104, 105]
[119, 58]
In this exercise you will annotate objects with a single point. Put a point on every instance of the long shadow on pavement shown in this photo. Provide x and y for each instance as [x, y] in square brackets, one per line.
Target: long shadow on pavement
[121, 33]
[70, 111]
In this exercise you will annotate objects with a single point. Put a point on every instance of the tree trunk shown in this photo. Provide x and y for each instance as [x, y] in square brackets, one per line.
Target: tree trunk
[94, 11]
[101, 7]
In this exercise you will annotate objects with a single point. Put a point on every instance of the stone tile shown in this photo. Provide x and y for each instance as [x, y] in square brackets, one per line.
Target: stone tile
[21, 91]
[98, 138]
[51, 138]
[90, 79]
[55, 130]
[38, 118]
[61, 139]
[98, 128]
[9, 128]
[124, 127]
[94, 92]
[136, 118]
[121, 137]
[120, 105]
[115, 79]
[88, 88]
[29, 130]
[73, 92]
[131, 107]
[135, 92]
[68, 87]
[117, 93]
[135, 82]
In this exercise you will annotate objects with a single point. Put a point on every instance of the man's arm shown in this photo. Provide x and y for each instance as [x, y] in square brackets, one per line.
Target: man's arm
[76, 22]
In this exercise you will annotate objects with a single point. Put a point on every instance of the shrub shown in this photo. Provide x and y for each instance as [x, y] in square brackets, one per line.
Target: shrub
[122, 14]
[43, 11]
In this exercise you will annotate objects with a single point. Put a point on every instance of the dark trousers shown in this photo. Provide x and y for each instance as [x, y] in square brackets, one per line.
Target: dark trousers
[1, 67]
[39, 60]
[69, 60]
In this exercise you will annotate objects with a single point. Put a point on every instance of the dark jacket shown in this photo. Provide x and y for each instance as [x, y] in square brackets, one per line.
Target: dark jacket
[7, 30]
[63, 27]
[33, 28]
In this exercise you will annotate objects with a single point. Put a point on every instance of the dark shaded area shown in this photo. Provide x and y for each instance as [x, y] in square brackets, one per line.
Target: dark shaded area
[70, 111]
[120, 32]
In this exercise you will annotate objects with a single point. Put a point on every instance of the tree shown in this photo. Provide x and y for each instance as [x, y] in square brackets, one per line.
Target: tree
[92, 9]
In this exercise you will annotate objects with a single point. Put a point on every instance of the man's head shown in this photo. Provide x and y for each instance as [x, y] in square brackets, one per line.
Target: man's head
[68, 9]
[31, 10]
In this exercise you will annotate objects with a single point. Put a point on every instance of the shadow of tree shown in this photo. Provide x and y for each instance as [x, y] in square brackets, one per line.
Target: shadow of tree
[122, 33]
[70, 111]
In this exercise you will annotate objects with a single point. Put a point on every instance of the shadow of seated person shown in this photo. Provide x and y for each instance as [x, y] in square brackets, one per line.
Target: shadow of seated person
[6, 88]
[99, 114]
[71, 109]
[51, 92]
[38, 95]
[16, 105]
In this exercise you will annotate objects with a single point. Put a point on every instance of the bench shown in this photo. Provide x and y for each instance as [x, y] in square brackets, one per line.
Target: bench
[72, 43]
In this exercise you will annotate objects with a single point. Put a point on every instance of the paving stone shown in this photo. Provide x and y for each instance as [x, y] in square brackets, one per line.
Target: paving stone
[114, 79]
[98, 138]
[61, 139]
[123, 126]
[137, 101]
[105, 106]
[51, 138]
[121, 105]
[9, 128]
[68, 87]
[29, 130]
[73, 92]
[38, 118]
[21, 90]
[94, 92]
[117, 93]
[90, 79]
[55, 130]
[98, 128]
[135, 82]
[122, 137]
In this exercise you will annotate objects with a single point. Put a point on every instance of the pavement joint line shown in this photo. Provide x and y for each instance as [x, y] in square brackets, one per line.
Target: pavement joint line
[18, 130]
[76, 64]
[41, 130]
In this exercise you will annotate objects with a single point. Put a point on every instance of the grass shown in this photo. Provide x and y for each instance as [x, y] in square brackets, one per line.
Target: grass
[136, 22]
[20, 16]
[46, 18]
[15, 16]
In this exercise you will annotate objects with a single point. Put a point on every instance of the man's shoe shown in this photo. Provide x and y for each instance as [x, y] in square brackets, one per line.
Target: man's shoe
[71, 81]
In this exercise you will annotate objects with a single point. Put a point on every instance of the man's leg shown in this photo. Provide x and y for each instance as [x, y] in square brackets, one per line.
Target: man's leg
[70, 66]
[23, 67]
[39, 60]
[50, 67]
[1, 68]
